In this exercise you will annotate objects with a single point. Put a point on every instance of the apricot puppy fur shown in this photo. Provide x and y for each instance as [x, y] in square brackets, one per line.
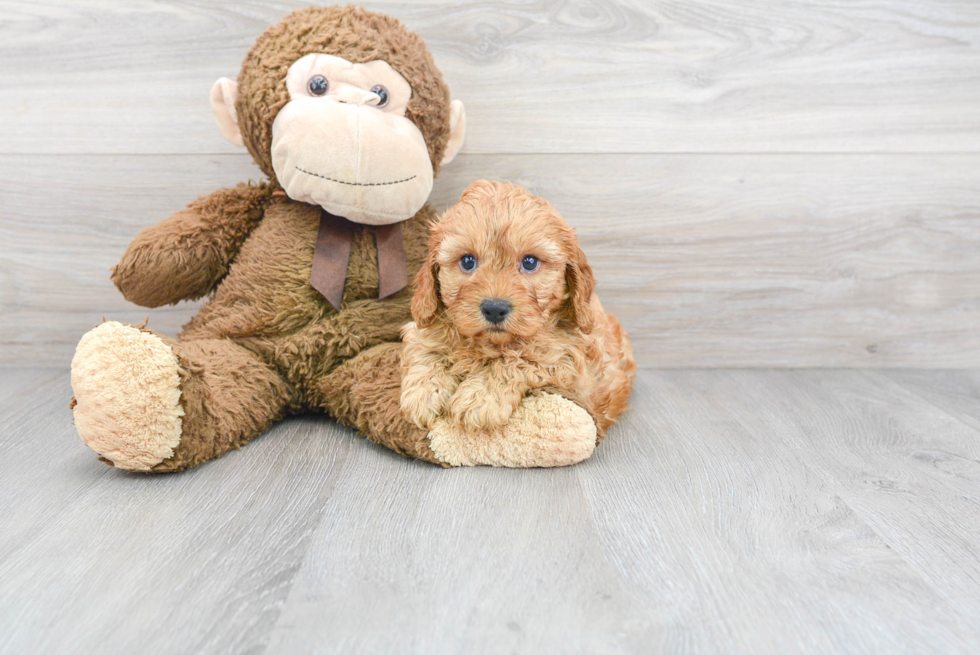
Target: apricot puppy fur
[505, 305]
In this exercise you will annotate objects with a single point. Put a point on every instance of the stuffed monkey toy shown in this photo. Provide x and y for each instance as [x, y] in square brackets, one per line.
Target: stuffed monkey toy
[306, 275]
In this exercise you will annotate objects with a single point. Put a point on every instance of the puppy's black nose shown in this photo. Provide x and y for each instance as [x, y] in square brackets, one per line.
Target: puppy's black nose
[495, 310]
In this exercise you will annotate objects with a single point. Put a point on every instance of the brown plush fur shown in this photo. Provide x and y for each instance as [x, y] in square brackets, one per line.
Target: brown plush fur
[557, 334]
[266, 343]
[367, 388]
[209, 233]
[215, 375]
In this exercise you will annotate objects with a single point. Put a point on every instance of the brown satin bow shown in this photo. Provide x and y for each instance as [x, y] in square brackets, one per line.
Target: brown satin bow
[332, 254]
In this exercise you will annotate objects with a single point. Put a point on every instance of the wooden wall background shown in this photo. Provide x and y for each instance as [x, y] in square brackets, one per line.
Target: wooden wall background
[774, 183]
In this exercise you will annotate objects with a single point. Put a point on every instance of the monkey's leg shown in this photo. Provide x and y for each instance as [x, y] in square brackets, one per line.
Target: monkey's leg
[547, 429]
[365, 393]
[145, 402]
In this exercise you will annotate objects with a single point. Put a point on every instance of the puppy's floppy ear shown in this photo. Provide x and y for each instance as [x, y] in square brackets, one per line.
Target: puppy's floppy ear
[425, 302]
[581, 284]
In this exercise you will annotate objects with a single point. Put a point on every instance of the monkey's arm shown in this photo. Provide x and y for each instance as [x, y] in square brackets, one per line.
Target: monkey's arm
[185, 256]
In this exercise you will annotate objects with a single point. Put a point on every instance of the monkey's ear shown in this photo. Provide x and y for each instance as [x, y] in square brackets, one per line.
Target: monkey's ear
[223, 96]
[457, 127]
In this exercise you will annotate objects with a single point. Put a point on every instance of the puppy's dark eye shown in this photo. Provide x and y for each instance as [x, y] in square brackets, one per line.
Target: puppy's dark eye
[530, 263]
[382, 93]
[467, 263]
[318, 85]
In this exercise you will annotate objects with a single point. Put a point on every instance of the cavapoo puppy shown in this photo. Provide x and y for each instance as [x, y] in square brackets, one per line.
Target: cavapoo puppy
[504, 306]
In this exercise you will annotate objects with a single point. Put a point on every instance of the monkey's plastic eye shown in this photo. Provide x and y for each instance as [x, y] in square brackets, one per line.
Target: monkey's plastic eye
[318, 85]
[467, 263]
[530, 263]
[382, 93]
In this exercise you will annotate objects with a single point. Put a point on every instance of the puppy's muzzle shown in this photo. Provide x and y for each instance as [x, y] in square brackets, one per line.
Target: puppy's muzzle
[495, 310]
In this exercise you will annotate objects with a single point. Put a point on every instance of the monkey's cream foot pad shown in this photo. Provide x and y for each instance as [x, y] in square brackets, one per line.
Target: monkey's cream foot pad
[126, 383]
[546, 430]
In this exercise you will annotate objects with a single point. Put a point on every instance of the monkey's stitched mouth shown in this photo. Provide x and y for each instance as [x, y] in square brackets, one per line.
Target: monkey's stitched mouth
[330, 179]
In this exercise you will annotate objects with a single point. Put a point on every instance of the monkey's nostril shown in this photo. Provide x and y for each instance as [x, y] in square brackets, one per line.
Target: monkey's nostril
[495, 310]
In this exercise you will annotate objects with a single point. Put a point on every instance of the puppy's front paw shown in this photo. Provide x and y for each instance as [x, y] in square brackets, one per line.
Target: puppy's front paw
[425, 400]
[478, 406]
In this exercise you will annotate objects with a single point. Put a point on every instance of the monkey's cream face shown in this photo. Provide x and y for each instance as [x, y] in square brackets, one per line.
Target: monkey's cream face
[343, 142]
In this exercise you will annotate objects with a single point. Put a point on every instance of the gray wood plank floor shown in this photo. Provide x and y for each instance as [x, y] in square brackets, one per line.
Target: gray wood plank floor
[751, 511]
